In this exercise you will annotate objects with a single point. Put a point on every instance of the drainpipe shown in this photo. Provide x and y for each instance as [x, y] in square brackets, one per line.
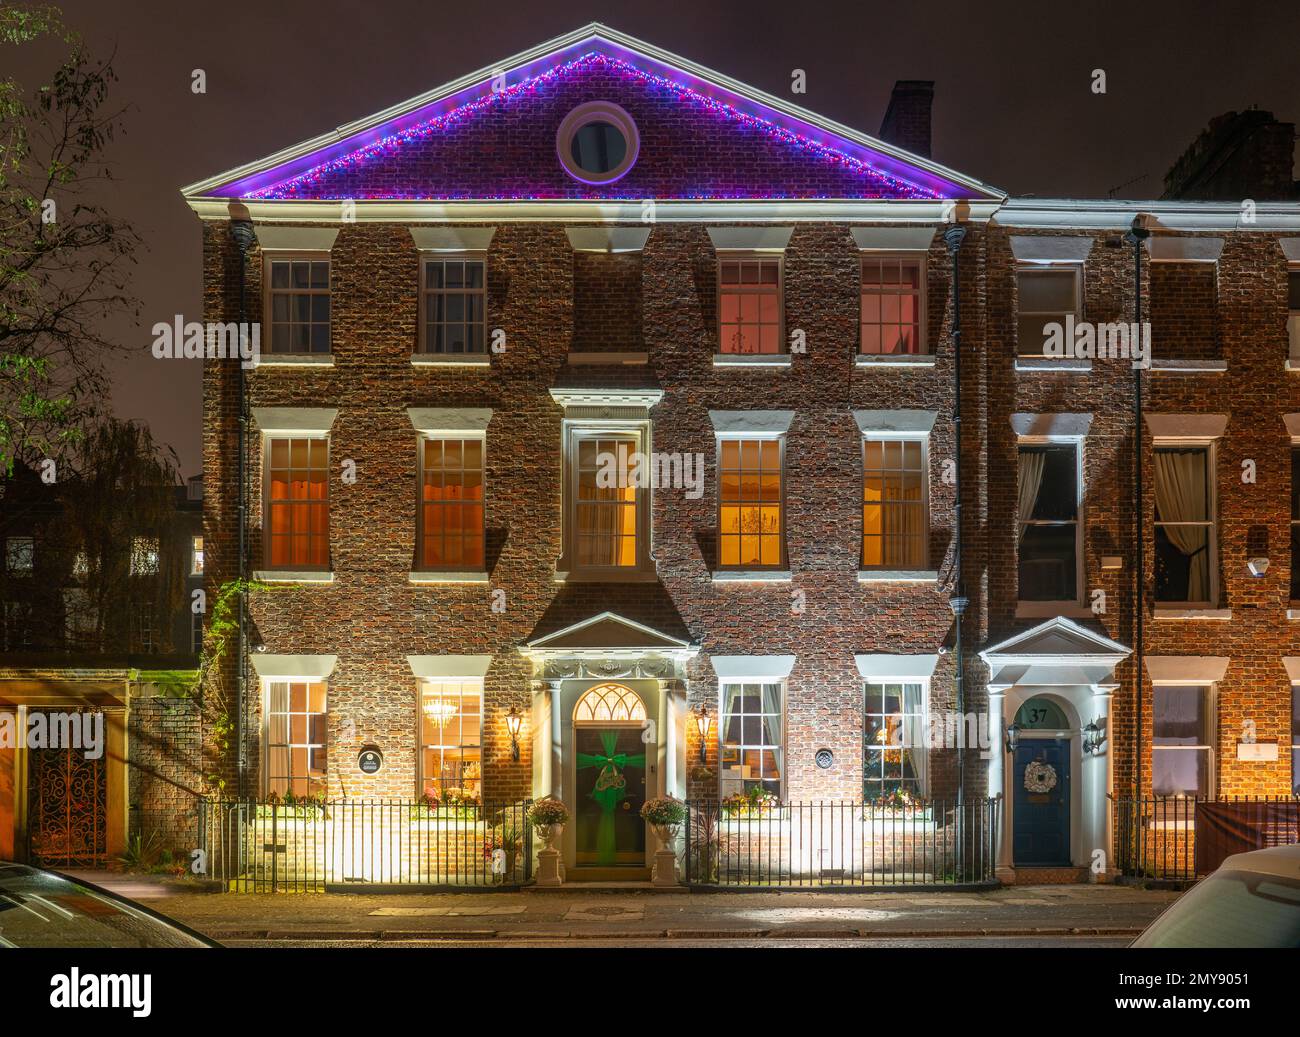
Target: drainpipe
[241, 229]
[953, 238]
[1135, 236]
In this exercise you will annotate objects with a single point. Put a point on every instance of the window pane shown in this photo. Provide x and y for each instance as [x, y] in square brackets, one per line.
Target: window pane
[1046, 291]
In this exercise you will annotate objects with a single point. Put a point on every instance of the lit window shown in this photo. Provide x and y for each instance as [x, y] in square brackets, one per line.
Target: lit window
[144, 556]
[298, 304]
[1047, 295]
[1182, 755]
[1048, 501]
[609, 702]
[896, 758]
[20, 555]
[297, 505]
[892, 299]
[895, 526]
[450, 535]
[196, 556]
[606, 503]
[453, 301]
[749, 306]
[451, 739]
[1295, 523]
[1186, 564]
[752, 735]
[1295, 741]
[750, 504]
[296, 738]
[1293, 311]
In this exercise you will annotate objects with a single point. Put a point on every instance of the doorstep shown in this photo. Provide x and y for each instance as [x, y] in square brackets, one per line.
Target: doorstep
[1050, 876]
[570, 886]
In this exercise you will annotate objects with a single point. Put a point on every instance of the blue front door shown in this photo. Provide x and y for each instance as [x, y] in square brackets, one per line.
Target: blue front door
[1042, 811]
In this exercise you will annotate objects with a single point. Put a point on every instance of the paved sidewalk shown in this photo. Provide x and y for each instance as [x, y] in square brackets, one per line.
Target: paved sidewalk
[577, 913]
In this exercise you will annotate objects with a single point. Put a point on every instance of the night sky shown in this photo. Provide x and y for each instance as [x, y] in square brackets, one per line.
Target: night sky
[1013, 99]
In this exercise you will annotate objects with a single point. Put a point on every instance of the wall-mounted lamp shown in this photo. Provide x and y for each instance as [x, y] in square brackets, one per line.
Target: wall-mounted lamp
[1093, 737]
[1011, 737]
[514, 721]
[702, 723]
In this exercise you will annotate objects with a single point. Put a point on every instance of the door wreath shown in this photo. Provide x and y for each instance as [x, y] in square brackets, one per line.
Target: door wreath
[1039, 777]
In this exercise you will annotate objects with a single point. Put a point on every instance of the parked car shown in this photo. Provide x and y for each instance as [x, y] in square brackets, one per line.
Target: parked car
[41, 908]
[1253, 900]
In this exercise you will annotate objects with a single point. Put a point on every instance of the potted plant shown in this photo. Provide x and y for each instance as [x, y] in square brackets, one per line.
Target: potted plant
[548, 817]
[665, 815]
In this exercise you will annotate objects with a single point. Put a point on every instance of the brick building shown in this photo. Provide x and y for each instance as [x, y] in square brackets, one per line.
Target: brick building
[482, 308]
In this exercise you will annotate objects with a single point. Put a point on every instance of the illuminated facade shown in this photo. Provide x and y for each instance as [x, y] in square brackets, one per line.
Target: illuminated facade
[604, 397]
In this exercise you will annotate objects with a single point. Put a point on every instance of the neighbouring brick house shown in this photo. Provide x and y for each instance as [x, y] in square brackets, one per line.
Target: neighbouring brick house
[480, 307]
[130, 654]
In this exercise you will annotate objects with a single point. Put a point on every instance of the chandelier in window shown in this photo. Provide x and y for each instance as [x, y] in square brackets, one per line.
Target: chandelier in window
[439, 710]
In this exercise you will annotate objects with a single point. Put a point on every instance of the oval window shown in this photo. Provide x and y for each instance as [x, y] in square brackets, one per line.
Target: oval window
[597, 143]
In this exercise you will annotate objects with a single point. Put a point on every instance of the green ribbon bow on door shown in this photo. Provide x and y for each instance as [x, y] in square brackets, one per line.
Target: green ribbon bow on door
[610, 789]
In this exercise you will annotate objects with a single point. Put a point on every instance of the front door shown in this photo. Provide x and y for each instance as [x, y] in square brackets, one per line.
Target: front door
[1042, 802]
[611, 762]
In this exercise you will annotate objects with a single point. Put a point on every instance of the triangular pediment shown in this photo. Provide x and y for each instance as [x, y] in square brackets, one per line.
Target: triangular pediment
[492, 135]
[607, 632]
[1057, 641]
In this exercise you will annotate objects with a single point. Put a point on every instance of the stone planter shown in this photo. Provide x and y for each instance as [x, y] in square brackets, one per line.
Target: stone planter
[548, 868]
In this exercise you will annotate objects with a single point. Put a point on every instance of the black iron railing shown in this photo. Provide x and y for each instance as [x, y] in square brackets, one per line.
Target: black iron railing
[1178, 839]
[314, 846]
[840, 844]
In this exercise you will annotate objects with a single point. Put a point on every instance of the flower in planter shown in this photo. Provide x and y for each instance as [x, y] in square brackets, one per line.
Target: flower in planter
[665, 811]
[547, 812]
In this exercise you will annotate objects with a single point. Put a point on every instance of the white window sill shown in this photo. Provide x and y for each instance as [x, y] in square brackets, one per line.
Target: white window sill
[630, 576]
[1052, 609]
[294, 360]
[1293, 364]
[608, 359]
[751, 359]
[1050, 363]
[292, 576]
[1192, 613]
[1293, 612]
[751, 576]
[1188, 366]
[451, 360]
[898, 576]
[893, 360]
[447, 577]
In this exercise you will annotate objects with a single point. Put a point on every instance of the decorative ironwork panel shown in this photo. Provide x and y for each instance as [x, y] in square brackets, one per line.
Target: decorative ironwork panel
[67, 804]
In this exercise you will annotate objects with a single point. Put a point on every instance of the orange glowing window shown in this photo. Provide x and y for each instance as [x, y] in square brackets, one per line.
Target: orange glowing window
[750, 506]
[297, 503]
[296, 739]
[451, 505]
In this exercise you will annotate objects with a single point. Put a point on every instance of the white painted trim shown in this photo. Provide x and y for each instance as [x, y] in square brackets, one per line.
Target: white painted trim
[1041, 248]
[738, 668]
[607, 359]
[898, 576]
[646, 398]
[424, 578]
[779, 360]
[1088, 214]
[479, 361]
[1290, 249]
[1170, 366]
[1165, 612]
[675, 643]
[293, 360]
[449, 667]
[893, 239]
[433, 421]
[1203, 427]
[750, 239]
[295, 239]
[1065, 365]
[1067, 426]
[1186, 669]
[751, 422]
[1292, 422]
[293, 576]
[275, 421]
[607, 239]
[1164, 248]
[752, 576]
[881, 422]
[894, 360]
[1292, 664]
[452, 239]
[877, 667]
[308, 667]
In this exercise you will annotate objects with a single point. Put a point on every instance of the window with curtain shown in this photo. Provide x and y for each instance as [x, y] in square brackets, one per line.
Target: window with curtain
[1293, 311]
[298, 301]
[451, 738]
[453, 299]
[297, 503]
[296, 740]
[749, 306]
[752, 735]
[1047, 491]
[750, 520]
[1295, 523]
[895, 523]
[1184, 523]
[1045, 295]
[1295, 741]
[606, 503]
[892, 296]
[895, 751]
[1182, 754]
[450, 531]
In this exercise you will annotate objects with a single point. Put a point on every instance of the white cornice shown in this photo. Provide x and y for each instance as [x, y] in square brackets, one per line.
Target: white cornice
[1098, 214]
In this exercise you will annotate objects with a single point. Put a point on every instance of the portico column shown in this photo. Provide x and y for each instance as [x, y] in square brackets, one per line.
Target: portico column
[1099, 786]
[557, 741]
[999, 785]
[673, 741]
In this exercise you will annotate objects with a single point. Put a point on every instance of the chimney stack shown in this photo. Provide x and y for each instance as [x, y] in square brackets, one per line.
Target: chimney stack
[907, 119]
